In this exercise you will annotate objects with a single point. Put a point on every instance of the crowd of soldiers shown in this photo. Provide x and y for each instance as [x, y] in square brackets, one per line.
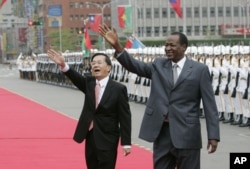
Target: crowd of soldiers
[229, 68]
[27, 66]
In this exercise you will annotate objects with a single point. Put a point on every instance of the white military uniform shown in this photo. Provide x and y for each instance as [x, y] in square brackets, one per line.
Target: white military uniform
[228, 104]
[242, 87]
[215, 84]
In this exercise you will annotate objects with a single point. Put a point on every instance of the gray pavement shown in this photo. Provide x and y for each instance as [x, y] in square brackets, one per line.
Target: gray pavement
[70, 101]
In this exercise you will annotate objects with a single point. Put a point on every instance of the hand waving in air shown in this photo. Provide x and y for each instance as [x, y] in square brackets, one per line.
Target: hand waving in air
[57, 57]
[111, 37]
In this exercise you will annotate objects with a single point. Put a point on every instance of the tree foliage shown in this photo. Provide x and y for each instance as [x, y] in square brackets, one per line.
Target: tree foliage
[69, 41]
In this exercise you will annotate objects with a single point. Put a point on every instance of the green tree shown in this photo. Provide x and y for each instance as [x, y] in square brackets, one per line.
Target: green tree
[69, 40]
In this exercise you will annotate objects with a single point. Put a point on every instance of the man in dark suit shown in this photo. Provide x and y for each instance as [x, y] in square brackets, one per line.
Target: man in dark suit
[171, 120]
[105, 117]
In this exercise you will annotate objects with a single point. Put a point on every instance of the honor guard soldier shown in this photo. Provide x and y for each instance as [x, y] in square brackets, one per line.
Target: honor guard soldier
[226, 78]
[19, 63]
[233, 87]
[216, 84]
[242, 85]
[246, 97]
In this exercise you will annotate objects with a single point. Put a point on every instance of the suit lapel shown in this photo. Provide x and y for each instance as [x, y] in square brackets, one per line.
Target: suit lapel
[186, 70]
[92, 89]
[169, 73]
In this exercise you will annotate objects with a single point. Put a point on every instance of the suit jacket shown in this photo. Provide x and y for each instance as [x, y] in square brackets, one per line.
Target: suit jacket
[112, 117]
[179, 102]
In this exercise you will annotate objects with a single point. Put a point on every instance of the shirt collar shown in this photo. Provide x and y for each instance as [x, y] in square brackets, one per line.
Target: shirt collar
[181, 62]
[103, 82]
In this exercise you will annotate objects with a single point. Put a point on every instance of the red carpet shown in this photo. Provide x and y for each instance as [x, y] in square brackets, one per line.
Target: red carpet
[35, 137]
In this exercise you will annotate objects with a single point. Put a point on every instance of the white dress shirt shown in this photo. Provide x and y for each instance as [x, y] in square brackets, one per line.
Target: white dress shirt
[103, 84]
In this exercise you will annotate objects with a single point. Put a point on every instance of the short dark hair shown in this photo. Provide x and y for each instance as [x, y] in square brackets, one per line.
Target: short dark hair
[182, 38]
[107, 59]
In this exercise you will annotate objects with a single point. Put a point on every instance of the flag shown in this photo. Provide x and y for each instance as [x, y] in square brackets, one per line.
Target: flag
[176, 5]
[95, 21]
[86, 42]
[87, 39]
[2, 2]
[125, 16]
[129, 43]
[137, 44]
[134, 43]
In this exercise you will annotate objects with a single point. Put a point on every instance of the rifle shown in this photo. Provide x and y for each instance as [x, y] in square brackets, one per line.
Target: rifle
[217, 91]
[236, 84]
[245, 95]
[228, 81]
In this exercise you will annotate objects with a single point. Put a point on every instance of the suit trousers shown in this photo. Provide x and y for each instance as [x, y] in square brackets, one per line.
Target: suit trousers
[96, 158]
[166, 156]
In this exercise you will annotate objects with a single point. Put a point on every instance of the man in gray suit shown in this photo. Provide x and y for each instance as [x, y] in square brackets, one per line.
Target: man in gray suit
[171, 120]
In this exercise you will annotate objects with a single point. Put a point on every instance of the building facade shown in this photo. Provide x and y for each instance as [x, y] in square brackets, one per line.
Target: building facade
[73, 14]
[151, 20]
[154, 20]
[12, 31]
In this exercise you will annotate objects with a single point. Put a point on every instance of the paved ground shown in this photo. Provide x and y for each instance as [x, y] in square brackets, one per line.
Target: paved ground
[69, 102]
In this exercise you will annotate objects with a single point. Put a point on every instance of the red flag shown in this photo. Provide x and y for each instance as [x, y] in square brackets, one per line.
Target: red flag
[129, 43]
[95, 21]
[2, 3]
[87, 39]
[176, 4]
[134, 43]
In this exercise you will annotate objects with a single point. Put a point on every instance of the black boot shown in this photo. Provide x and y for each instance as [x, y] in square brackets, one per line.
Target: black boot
[143, 100]
[221, 118]
[231, 119]
[238, 122]
[135, 98]
[132, 97]
[245, 124]
[139, 99]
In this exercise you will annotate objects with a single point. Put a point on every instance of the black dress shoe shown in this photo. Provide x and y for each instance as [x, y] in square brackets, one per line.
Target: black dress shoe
[236, 123]
[138, 99]
[244, 125]
[221, 118]
[132, 97]
[228, 121]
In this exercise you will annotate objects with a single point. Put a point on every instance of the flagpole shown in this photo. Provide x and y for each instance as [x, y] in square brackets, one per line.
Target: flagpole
[243, 14]
[184, 16]
[138, 18]
[60, 35]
